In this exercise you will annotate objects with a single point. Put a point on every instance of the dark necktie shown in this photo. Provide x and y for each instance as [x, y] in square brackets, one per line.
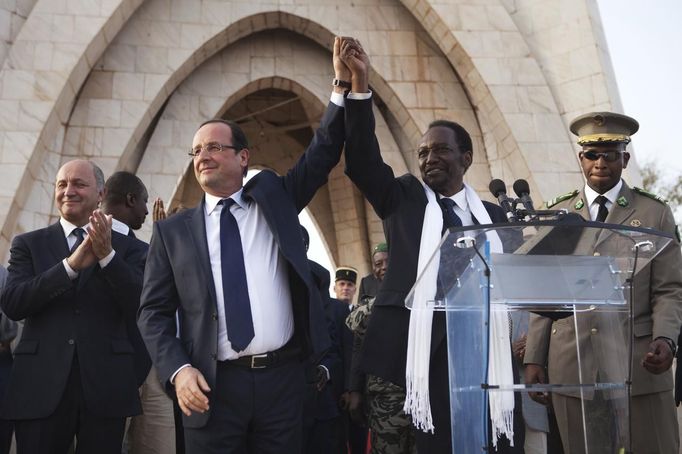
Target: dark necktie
[450, 218]
[603, 211]
[80, 236]
[131, 234]
[235, 290]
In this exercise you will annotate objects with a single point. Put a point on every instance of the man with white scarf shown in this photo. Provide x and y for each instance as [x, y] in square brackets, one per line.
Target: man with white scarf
[410, 208]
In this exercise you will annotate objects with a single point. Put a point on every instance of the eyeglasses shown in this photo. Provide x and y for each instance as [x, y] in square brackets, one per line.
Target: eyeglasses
[439, 150]
[610, 156]
[213, 147]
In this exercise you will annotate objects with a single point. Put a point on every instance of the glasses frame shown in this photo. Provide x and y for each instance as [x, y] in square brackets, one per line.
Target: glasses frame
[218, 148]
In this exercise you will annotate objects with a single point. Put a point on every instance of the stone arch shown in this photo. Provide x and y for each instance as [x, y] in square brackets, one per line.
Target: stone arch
[102, 93]
[338, 209]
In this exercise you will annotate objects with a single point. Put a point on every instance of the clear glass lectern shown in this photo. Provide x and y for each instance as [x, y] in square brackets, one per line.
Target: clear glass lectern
[578, 272]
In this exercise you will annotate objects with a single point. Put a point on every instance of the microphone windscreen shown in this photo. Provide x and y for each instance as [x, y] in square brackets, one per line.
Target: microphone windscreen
[497, 187]
[521, 187]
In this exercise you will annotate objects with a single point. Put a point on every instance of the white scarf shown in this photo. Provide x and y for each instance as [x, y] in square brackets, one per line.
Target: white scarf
[417, 402]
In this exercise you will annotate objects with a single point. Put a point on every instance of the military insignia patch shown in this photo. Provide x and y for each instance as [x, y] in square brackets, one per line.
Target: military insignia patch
[579, 204]
[561, 198]
[622, 201]
[649, 194]
[636, 223]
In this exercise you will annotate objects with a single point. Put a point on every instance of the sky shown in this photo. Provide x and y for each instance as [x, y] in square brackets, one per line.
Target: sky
[645, 43]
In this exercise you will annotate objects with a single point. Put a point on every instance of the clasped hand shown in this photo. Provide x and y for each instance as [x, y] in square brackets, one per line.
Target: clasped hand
[96, 245]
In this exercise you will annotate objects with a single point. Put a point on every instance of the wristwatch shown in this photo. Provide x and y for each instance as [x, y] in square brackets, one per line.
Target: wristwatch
[341, 83]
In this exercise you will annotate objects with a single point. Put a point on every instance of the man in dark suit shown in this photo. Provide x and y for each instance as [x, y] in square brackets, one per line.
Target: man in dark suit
[237, 367]
[75, 283]
[152, 432]
[444, 155]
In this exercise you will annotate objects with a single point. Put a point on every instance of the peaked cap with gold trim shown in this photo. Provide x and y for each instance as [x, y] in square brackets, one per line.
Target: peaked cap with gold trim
[600, 127]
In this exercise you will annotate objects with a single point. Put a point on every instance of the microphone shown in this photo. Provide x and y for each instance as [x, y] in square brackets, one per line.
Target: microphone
[499, 190]
[522, 191]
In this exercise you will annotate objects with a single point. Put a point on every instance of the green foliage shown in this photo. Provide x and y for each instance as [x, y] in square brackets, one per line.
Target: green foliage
[669, 188]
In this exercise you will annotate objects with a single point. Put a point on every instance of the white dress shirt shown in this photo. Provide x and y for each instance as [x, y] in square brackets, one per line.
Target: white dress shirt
[266, 277]
[462, 207]
[611, 196]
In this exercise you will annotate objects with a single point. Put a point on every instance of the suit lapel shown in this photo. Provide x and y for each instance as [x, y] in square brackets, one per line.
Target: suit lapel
[56, 241]
[196, 226]
[618, 214]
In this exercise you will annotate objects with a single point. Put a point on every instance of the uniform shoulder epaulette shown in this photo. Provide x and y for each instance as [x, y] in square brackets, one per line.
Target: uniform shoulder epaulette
[561, 198]
[649, 194]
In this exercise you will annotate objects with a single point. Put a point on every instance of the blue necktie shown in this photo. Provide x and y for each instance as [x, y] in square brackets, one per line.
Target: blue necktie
[80, 236]
[450, 218]
[235, 290]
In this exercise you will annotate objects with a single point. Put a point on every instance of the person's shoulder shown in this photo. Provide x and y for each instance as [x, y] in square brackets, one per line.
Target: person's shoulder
[649, 195]
[562, 198]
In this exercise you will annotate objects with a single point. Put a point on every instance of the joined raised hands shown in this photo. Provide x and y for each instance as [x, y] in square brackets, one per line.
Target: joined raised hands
[349, 52]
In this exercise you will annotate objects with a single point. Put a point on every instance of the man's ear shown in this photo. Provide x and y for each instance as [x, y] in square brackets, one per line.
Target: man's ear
[626, 159]
[130, 200]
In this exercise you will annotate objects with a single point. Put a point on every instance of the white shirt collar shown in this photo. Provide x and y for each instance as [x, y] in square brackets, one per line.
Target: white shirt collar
[68, 227]
[459, 198]
[212, 200]
[611, 194]
[120, 227]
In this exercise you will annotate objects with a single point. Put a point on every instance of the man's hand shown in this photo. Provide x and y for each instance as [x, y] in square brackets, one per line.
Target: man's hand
[83, 256]
[355, 408]
[519, 347]
[659, 358]
[341, 71]
[536, 374]
[321, 378]
[99, 232]
[354, 56]
[190, 388]
[158, 211]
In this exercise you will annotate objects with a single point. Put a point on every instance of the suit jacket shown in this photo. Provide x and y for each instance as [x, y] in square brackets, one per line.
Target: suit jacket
[178, 273]
[657, 308]
[400, 203]
[65, 320]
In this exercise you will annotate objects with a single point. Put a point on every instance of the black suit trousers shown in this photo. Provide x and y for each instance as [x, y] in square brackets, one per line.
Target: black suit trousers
[54, 434]
[253, 411]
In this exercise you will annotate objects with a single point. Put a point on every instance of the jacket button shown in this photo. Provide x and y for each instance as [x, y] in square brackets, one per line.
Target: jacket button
[214, 356]
[596, 254]
[554, 331]
[214, 316]
[594, 331]
[71, 342]
[77, 311]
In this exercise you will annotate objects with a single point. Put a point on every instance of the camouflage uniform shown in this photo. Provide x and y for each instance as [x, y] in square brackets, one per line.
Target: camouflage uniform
[391, 429]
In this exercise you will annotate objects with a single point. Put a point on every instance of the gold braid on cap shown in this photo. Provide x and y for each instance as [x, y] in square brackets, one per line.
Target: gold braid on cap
[603, 137]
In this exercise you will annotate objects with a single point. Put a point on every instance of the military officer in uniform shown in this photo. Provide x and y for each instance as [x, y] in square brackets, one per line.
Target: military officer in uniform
[603, 137]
